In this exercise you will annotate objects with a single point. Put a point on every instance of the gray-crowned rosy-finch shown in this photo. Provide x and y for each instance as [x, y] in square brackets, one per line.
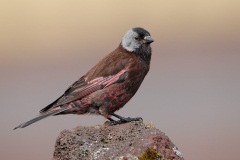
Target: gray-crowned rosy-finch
[109, 85]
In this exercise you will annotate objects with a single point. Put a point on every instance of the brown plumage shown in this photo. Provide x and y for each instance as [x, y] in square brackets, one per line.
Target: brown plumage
[110, 84]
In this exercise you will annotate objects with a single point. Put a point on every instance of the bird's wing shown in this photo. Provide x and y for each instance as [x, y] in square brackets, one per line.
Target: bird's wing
[110, 68]
[82, 88]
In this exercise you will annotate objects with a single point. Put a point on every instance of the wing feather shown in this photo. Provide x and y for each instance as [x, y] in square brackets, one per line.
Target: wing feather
[78, 84]
[79, 90]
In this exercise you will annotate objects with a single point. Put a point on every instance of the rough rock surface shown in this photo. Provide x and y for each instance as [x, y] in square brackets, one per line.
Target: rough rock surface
[128, 141]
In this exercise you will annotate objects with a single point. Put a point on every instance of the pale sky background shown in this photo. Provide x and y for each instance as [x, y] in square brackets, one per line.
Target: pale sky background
[191, 92]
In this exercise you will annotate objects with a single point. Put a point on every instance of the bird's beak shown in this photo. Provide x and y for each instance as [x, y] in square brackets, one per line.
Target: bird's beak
[148, 40]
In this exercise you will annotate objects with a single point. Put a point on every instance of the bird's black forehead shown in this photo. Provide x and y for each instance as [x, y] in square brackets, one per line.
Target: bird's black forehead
[141, 31]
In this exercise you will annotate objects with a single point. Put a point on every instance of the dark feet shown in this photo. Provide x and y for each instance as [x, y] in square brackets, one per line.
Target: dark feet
[123, 119]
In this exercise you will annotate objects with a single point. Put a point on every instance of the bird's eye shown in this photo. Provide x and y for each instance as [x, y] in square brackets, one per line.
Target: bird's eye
[136, 38]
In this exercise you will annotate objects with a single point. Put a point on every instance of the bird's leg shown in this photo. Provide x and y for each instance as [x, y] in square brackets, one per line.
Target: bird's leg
[123, 119]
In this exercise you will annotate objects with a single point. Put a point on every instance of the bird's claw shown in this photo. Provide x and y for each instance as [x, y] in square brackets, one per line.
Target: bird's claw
[126, 120]
[129, 119]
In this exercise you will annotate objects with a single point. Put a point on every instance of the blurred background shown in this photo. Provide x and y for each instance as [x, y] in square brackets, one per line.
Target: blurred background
[191, 92]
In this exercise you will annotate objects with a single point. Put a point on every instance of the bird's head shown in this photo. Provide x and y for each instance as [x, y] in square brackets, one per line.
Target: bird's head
[137, 40]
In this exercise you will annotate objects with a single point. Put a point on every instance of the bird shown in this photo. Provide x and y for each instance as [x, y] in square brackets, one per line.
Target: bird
[109, 85]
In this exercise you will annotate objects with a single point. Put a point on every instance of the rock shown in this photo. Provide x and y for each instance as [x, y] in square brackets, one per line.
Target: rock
[128, 141]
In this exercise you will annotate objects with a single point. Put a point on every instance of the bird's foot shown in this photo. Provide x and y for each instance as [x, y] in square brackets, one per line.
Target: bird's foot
[125, 120]
[122, 119]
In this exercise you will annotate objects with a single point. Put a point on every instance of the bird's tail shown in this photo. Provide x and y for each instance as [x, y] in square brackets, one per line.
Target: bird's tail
[43, 115]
